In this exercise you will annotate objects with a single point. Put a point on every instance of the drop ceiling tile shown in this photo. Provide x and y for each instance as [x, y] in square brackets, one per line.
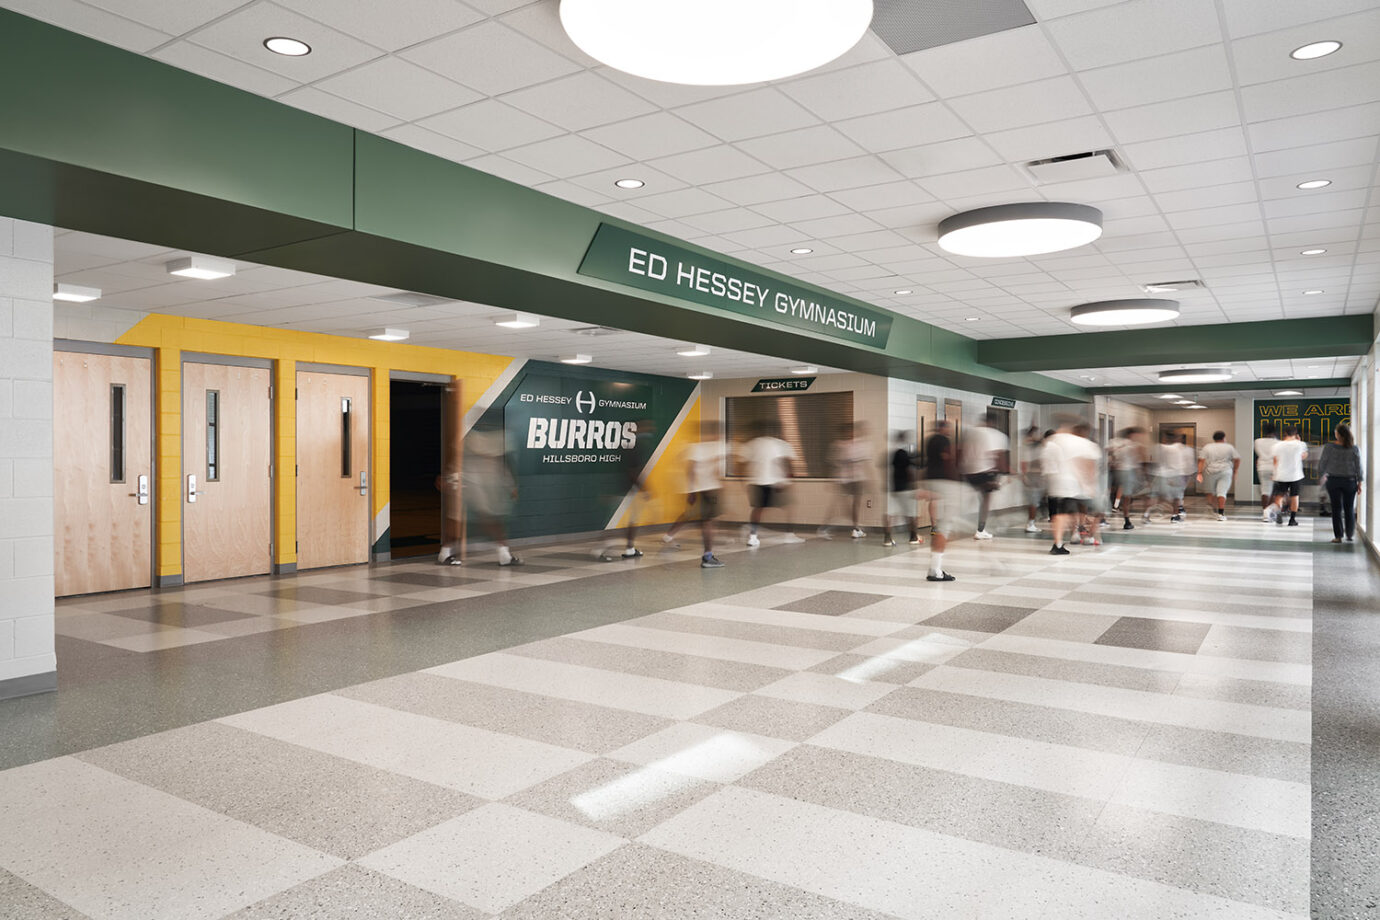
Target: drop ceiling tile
[580, 101]
[856, 172]
[684, 203]
[751, 114]
[1028, 104]
[626, 210]
[432, 143]
[398, 88]
[175, 19]
[804, 208]
[831, 227]
[241, 35]
[805, 147]
[1059, 138]
[1197, 175]
[1229, 193]
[990, 179]
[1248, 229]
[1160, 79]
[1334, 221]
[1171, 119]
[311, 99]
[491, 58]
[668, 95]
[871, 242]
[542, 22]
[573, 192]
[944, 157]
[223, 69]
[603, 182]
[1300, 95]
[711, 164]
[1263, 58]
[1132, 30]
[1209, 217]
[729, 220]
[1115, 188]
[1334, 202]
[566, 156]
[863, 90]
[382, 24]
[1316, 159]
[908, 127]
[775, 237]
[503, 167]
[1007, 58]
[888, 195]
[490, 125]
[656, 135]
[1191, 148]
[757, 189]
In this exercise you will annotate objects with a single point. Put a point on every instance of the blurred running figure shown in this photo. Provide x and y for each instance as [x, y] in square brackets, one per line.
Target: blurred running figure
[1171, 475]
[770, 462]
[1289, 455]
[1217, 466]
[489, 486]
[983, 458]
[704, 462]
[941, 489]
[1265, 463]
[1070, 463]
[901, 500]
[1031, 478]
[1126, 458]
[849, 457]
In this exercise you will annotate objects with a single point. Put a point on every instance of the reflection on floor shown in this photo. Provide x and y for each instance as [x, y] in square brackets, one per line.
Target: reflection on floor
[1123, 732]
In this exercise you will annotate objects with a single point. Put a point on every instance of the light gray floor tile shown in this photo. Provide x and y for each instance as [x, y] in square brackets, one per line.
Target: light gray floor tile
[752, 632]
[767, 597]
[644, 882]
[1233, 753]
[1109, 675]
[21, 901]
[580, 726]
[620, 798]
[711, 645]
[327, 803]
[101, 627]
[692, 669]
[870, 668]
[1258, 644]
[355, 893]
[171, 637]
[1238, 690]
[1053, 623]
[905, 609]
[702, 751]
[775, 718]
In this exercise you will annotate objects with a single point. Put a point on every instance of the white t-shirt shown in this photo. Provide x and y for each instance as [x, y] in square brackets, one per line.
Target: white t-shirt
[850, 458]
[704, 461]
[1264, 455]
[767, 460]
[1063, 476]
[1175, 460]
[981, 445]
[1217, 457]
[1289, 456]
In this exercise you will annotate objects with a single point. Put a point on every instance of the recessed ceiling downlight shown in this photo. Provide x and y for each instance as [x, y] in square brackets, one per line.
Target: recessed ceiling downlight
[630, 183]
[1013, 230]
[288, 47]
[715, 42]
[1315, 50]
[801, 251]
[1125, 312]
[1288, 392]
[1196, 375]
[1314, 183]
[1311, 252]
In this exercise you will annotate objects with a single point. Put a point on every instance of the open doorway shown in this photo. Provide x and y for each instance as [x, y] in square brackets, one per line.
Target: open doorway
[1188, 431]
[416, 427]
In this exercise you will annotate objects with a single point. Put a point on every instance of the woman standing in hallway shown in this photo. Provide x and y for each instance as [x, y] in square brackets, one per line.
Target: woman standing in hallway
[1339, 472]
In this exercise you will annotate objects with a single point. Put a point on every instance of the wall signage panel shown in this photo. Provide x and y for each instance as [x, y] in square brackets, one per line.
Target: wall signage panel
[783, 385]
[571, 425]
[1003, 402]
[625, 257]
[1316, 420]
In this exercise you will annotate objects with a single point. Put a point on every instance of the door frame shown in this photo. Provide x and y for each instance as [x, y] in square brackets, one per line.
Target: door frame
[82, 347]
[408, 377]
[349, 370]
[199, 357]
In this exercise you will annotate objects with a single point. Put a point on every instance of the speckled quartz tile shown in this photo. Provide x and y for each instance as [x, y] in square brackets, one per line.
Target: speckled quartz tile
[355, 893]
[643, 662]
[777, 718]
[22, 901]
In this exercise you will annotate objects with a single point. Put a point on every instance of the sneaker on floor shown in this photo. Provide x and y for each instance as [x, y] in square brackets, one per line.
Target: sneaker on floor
[824, 534]
[1076, 539]
[888, 542]
[450, 560]
[942, 576]
[1031, 528]
[752, 540]
[1176, 519]
[858, 533]
[792, 538]
[1293, 522]
[669, 542]
[1128, 525]
[982, 535]
[510, 560]
[1058, 551]
[1095, 541]
[1336, 539]
[631, 552]
[710, 561]
[1221, 517]
[915, 539]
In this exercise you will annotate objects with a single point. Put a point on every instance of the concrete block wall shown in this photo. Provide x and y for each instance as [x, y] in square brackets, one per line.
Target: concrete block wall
[27, 660]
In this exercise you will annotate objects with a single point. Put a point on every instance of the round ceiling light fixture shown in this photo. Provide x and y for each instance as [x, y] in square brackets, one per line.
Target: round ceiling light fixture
[1311, 252]
[630, 183]
[1288, 392]
[801, 251]
[1134, 312]
[715, 42]
[1196, 375]
[1314, 183]
[1314, 50]
[1011, 230]
[1315, 291]
[288, 47]
[903, 291]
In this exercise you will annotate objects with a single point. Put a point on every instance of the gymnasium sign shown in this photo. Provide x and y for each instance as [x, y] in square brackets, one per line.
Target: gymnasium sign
[624, 257]
[574, 425]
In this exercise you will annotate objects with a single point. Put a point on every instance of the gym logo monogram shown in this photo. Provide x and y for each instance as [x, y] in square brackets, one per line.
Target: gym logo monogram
[585, 401]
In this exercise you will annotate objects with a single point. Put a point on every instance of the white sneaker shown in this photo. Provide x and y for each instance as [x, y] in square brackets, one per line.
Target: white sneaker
[982, 535]
[823, 533]
[859, 533]
[792, 538]
[753, 541]
[1031, 528]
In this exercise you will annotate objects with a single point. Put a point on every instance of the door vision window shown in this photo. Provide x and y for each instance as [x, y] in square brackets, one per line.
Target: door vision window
[346, 461]
[212, 435]
[117, 432]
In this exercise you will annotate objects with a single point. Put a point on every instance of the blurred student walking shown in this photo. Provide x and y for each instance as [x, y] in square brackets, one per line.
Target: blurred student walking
[941, 489]
[1217, 466]
[983, 459]
[1265, 463]
[704, 463]
[901, 500]
[1288, 456]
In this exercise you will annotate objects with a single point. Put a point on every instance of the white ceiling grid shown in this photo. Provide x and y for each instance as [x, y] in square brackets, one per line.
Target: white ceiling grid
[861, 159]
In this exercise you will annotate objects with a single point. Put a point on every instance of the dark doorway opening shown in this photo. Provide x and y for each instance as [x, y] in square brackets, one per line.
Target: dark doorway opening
[416, 427]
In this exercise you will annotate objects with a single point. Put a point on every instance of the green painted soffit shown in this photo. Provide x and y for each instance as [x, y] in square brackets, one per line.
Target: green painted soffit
[102, 140]
[1243, 386]
[1319, 337]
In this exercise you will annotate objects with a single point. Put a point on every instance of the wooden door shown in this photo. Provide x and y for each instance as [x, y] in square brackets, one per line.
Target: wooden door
[227, 517]
[102, 462]
[926, 414]
[953, 414]
[332, 469]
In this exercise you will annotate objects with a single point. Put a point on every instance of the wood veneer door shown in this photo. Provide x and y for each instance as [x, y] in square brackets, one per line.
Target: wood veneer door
[332, 469]
[926, 414]
[227, 449]
[102, 459]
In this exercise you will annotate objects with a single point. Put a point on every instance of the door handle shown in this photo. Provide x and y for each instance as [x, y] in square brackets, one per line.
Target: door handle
[142, 490]
[363, 487]
[192, 491]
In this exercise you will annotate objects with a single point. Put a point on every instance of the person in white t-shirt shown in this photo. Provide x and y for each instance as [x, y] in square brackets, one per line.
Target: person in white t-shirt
[1217, 466]
[1288, 458]
[704, 463]
[849, 457]
[770, 467]
[1069, 462]
[1265, 463]
[983, 458]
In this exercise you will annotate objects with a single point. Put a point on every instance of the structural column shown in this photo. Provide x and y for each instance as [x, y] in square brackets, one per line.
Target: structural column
[27, 660]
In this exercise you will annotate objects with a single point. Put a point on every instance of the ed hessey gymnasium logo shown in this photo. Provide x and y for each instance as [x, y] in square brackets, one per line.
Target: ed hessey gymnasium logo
[585, 402]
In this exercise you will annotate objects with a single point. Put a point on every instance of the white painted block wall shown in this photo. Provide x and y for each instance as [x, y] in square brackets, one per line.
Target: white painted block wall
[26, 450]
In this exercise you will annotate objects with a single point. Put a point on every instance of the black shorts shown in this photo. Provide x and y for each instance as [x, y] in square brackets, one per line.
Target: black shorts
[1070, 506]
[765, 496]
[706, 502]
[1287, 488]
[986, 481]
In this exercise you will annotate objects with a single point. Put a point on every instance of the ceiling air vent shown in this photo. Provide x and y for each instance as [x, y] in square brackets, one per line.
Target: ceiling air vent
[1095, 164]
[596, 330]
[909, 25]
[411, 299]
[1171, 287]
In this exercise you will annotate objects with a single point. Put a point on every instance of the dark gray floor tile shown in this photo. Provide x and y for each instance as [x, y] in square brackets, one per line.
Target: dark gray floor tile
[775, 718]
[978, 617]
[356, 893]
[883, 670]
[1156, 635]
[423, 579]
[1083, 672]
[833, 603]
[691, 669]
[187, 616]
[1166, 598]
[1228, 752]
[642, 882]
[312, 594]
[21, 901]
[581, 726]
[1238, 690]
[327, 803]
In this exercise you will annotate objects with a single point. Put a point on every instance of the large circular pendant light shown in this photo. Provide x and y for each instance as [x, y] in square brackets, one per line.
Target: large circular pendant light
[1196, 375]
[715, 42]
[1125, 312]
[1009, 230]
